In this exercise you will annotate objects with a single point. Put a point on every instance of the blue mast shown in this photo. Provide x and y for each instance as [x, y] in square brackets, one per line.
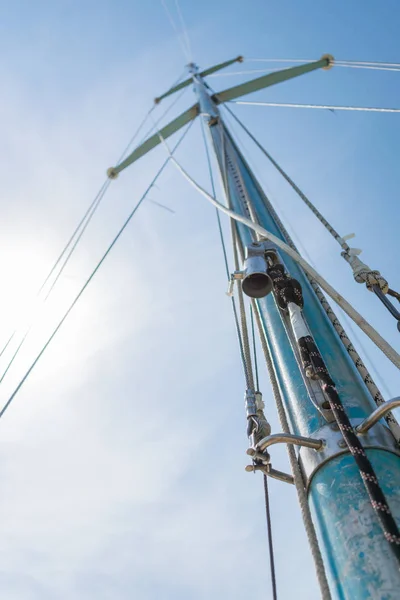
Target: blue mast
[359, 560]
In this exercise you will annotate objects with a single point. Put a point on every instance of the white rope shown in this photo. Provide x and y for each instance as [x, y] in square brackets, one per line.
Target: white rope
[318, 106]
[378, 340]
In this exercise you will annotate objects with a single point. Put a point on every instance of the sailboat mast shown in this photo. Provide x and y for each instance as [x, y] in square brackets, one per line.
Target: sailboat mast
[357, 556]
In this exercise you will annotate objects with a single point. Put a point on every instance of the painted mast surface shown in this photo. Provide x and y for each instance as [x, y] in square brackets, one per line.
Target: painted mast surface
[358, 559]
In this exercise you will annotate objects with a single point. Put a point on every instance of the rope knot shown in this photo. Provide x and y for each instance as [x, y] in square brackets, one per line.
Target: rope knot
[372, 278]
[362, 273]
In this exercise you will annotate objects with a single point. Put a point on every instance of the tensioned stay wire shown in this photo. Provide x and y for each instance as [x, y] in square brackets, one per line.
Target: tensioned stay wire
[184, 29]
[355, 357]
[317, 106]
[305, 253]
[265, 478]
[380, 342]
[223, 245]
[88, 215]
[91, 276]
[181, 38]
[178, 97]
[339, 63]
[78, 234]
[246, 367]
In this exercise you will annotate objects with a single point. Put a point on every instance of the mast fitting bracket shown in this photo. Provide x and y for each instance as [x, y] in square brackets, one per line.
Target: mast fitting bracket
[379, 438]
[377, 414]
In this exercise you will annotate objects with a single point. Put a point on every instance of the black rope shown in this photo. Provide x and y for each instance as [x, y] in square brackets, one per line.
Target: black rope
[91, 276]
[286, 289]
[270, 543]
[266, 493]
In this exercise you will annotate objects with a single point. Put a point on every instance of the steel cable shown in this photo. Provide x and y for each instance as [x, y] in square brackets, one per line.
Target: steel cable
[77, 235]
[378, 340]
[247, 374]
[358, 362]
[91, 276]
[317, 106]
[297, 476]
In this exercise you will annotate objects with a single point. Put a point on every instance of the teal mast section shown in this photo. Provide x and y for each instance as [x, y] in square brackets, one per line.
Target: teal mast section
[357, 557]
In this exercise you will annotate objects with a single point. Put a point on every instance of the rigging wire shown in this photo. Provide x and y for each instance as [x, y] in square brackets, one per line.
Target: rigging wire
[181, 39]
[227, 270]
[100, 194]
[164, 114]
[352, 352]
[7, 343]
[364, 372]
[295, 467]
[320, 106]
[372, 388]
[339, 63]
[93, 273]
[362, 273]
[107, 183]
[79, 232]
[363, 62]
[265, 478]
[243, 339]
[378, 340]
[184, 29]
[349, 66]
[254, 348]
[270, 541]
[88, 215]
[227, 73]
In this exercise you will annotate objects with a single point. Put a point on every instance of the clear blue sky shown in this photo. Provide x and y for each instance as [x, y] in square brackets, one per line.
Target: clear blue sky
[122, 459]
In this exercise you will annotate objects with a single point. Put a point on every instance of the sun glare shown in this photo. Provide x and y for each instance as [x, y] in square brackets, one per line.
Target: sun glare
[22, 307]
